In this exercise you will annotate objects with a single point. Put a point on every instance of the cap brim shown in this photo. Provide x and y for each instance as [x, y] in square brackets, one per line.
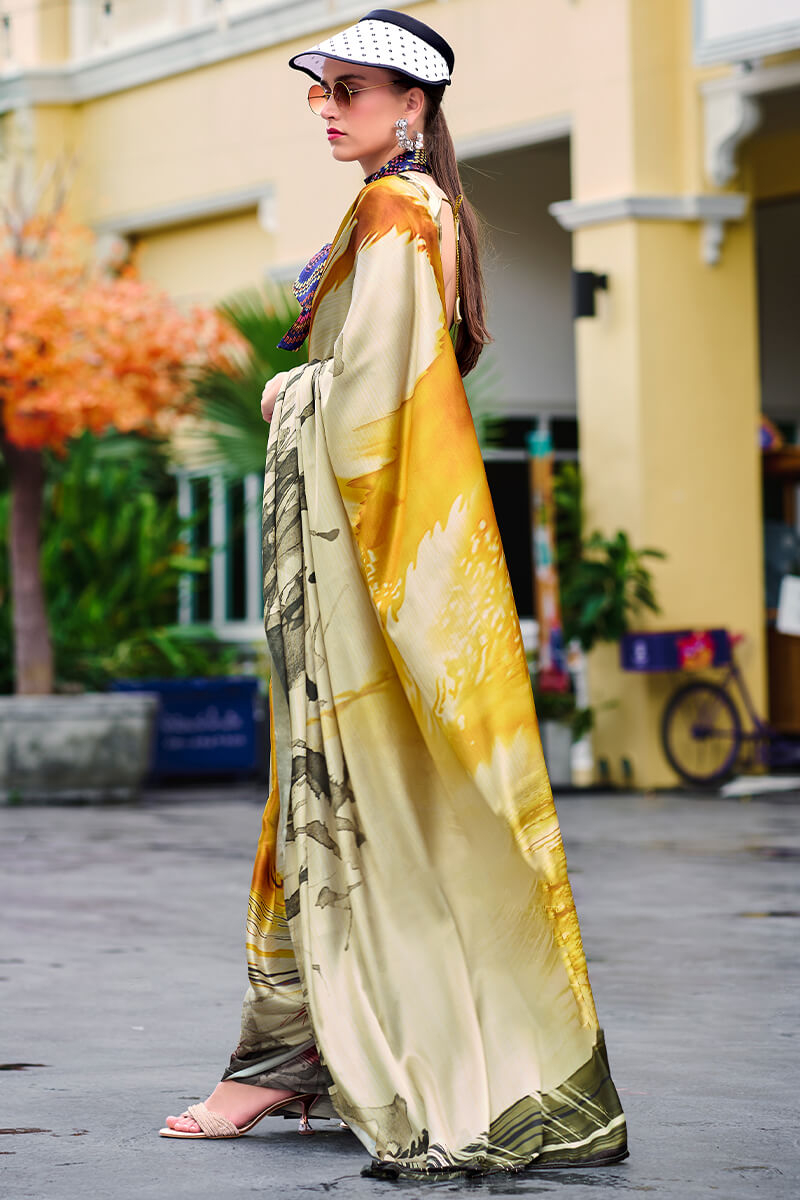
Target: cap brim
[312, 64]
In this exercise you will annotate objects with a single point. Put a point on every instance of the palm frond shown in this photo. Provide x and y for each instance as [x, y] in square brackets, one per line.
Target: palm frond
[262, 318]
[226, 432]
[482, 386]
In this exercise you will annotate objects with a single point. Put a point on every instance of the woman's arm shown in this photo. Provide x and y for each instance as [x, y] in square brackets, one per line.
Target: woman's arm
[270, 393]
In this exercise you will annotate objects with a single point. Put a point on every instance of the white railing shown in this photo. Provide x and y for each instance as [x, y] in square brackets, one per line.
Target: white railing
[737, 30]
[103, 26]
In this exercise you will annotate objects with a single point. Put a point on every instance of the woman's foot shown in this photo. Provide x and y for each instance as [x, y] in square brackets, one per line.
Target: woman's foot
[239, 1102]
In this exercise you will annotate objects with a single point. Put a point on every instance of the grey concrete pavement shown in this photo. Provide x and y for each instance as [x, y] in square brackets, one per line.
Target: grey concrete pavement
[123, 971]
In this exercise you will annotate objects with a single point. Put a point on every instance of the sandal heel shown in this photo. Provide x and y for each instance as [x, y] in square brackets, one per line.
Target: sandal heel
[305, 1125]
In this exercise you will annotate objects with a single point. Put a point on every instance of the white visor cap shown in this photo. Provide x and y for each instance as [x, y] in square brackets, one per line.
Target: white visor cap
[375, 43]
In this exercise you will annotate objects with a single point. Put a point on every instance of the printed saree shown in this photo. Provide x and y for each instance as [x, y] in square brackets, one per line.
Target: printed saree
[412, 937]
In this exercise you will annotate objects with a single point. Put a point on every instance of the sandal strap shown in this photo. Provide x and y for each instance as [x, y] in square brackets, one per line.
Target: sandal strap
[213, 1124]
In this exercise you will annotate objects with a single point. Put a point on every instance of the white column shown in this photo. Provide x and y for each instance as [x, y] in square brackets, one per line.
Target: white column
[81, 15]
[198, 11]
[186, 583]
[175, 13]
[219, 558]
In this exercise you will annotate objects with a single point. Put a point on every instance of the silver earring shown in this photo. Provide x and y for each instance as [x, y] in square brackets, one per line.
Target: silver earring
[405, 142]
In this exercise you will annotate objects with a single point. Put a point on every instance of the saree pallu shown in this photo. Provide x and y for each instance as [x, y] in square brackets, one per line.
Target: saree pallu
[412, 936]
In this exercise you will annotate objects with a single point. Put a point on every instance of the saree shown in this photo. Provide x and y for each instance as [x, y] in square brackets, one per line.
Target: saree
[413, 944]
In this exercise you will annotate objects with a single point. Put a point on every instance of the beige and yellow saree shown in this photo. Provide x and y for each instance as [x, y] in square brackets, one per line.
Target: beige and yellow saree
[411, 923]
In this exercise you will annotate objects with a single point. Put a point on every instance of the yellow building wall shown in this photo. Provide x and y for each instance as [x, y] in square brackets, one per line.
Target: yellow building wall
[205, 261]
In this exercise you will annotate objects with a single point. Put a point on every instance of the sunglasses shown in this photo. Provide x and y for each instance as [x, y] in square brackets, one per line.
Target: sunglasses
[319, 95]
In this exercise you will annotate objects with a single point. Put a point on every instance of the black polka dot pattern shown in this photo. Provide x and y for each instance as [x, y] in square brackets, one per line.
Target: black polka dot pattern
[377, 44]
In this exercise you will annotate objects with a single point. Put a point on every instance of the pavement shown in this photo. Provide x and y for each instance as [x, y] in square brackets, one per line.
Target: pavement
[123, 970]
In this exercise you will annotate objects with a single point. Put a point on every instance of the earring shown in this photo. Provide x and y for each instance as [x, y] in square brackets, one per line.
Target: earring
[405, 142]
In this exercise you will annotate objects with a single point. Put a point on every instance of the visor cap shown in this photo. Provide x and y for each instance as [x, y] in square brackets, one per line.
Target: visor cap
[384, 38]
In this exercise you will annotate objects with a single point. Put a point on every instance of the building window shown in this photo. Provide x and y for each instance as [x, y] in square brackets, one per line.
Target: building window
[225, 519]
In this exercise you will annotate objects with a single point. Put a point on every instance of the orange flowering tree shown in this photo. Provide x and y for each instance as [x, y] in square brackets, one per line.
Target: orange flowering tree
[82, 347]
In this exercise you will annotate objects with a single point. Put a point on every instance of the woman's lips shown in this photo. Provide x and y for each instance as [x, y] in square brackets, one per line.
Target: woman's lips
[334, 133]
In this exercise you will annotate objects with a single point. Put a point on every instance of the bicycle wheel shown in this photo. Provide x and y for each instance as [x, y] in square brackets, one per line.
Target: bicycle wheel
[701, 733]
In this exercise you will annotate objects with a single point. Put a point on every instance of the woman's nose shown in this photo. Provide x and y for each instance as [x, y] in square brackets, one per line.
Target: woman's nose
[329, 109]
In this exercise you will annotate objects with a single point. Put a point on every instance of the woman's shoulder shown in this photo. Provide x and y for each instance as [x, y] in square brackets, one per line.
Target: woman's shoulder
[414, 195]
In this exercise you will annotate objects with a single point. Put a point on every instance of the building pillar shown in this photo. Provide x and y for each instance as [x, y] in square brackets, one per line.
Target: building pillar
[667, 372]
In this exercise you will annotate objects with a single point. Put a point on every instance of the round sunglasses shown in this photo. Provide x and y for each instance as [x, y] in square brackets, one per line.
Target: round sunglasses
[319, 95]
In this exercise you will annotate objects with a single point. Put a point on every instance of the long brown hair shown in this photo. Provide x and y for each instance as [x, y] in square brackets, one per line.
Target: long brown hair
[472, 333]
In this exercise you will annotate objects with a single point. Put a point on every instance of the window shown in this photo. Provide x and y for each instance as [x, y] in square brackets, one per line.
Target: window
[226, 518]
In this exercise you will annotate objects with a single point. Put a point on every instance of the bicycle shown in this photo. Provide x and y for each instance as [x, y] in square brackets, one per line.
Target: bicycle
[702, 732]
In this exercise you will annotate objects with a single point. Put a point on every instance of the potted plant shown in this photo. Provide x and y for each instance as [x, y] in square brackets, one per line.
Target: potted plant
[604, 583]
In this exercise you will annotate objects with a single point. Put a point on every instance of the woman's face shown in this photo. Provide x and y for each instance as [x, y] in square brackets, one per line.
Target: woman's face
[365, 129]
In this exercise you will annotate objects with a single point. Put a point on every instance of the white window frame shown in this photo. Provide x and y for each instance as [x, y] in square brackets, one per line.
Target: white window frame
[229, 630]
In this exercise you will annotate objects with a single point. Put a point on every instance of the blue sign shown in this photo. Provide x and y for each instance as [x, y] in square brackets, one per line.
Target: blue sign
[203, 725]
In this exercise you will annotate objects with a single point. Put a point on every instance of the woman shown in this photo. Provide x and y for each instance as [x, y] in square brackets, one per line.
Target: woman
[415, 960]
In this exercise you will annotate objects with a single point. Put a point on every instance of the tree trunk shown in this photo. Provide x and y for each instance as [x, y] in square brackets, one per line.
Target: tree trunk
[33, 652]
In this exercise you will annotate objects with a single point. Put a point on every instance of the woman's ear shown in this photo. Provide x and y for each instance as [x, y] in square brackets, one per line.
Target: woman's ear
[415, 103]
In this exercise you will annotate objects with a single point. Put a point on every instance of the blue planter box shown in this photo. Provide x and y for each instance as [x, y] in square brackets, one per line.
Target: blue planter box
[662, 651]
[203, 726]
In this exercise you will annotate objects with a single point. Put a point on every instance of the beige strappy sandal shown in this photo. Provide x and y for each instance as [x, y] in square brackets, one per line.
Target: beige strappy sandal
[214, 1125]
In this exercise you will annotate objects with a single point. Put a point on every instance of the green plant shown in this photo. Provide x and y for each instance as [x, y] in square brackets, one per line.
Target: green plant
[568, 500]
[582, 723]
[173, 651]
[604, 582]
[228, 434]
[553, 706]
[602, 589]
[113, 551]
[561, 707]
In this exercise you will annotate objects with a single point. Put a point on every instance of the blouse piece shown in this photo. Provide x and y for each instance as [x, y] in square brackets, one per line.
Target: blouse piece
[410, 912]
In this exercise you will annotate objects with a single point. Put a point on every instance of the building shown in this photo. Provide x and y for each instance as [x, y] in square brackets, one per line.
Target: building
[653, 141]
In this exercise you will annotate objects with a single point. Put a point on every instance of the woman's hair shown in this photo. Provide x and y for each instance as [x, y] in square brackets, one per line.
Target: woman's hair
[472, 333]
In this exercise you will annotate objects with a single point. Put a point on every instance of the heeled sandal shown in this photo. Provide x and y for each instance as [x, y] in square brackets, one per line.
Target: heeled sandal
[214, 1125]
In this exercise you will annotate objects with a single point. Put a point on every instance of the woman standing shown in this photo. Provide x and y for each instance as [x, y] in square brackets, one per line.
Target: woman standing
[414, 954]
